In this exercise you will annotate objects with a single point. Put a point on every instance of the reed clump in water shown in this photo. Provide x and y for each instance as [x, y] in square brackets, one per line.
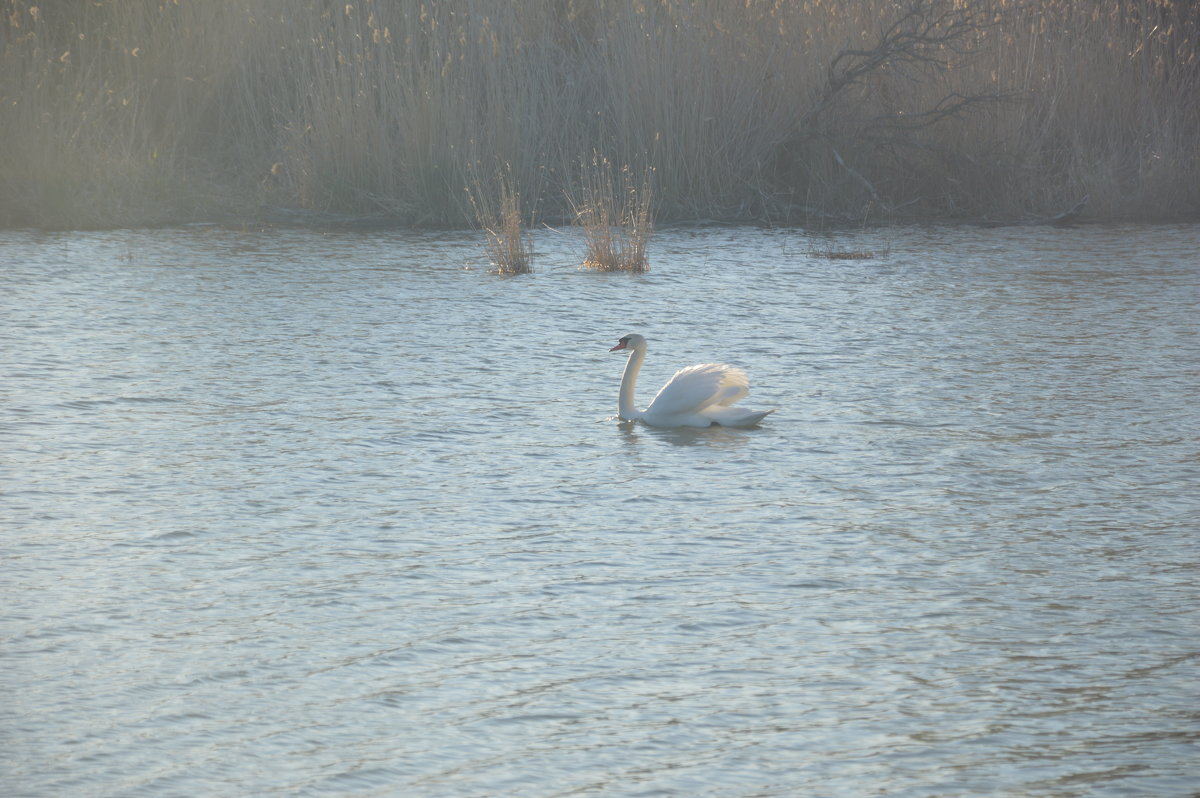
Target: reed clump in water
[507, 241]
[615, 216]
[143, 112]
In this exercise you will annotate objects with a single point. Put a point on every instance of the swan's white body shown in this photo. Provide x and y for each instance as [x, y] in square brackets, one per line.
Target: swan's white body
[697, 396]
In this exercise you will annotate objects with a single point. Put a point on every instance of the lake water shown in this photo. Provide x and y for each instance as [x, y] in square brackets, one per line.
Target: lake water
[308, 512]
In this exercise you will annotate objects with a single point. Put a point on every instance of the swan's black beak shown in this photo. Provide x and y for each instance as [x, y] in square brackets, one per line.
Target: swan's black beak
[620, 345]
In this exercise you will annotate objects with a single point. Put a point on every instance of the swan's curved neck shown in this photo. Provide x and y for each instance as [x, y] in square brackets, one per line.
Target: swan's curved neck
[625, 405]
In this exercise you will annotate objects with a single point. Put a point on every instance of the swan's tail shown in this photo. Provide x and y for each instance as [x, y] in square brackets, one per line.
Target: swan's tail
[736, 416]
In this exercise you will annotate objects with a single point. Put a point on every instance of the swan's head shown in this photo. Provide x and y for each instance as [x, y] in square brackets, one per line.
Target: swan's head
[631, 341]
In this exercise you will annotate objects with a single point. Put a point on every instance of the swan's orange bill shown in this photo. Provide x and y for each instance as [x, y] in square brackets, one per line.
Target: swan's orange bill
[621, 345]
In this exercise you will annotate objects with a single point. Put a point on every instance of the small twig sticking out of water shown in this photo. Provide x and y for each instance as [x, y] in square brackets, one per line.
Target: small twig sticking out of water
[838, 254]
[851, 254]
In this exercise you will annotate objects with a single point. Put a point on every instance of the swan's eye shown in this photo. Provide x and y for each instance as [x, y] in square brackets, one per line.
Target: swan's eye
[625, 340]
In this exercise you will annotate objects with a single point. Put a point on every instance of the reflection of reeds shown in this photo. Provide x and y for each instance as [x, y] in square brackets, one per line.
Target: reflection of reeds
[615, 217]
[508, 243]
[143, 111]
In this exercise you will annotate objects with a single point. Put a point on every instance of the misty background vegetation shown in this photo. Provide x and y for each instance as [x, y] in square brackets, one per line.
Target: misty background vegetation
[145, 112]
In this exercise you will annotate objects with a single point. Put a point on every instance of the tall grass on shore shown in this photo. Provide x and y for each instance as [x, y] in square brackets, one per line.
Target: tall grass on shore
[145, 112]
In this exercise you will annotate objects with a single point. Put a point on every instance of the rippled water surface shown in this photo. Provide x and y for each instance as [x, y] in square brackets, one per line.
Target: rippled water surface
[304, 512]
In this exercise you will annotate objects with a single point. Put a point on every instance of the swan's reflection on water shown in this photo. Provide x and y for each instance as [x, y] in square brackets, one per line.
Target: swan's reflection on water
[635, 432]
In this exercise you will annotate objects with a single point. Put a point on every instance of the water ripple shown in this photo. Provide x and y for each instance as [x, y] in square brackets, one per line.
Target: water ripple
[334, 503]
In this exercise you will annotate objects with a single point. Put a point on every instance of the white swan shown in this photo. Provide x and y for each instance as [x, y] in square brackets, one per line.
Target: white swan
[697, 396]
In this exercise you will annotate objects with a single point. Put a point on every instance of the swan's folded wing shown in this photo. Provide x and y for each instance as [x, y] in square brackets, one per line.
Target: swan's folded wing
[696, 387]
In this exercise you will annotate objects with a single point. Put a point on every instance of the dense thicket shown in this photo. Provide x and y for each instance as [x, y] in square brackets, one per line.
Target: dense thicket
[144, 111]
